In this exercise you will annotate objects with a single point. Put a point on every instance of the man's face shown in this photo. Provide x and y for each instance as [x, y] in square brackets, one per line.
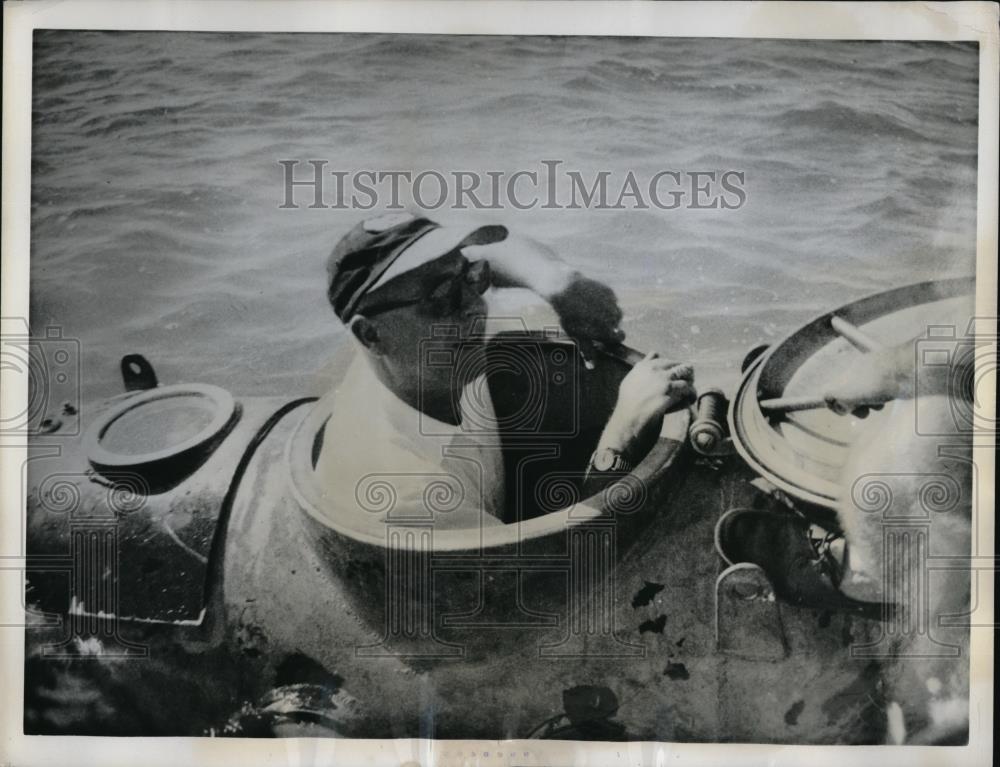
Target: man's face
[423, 315]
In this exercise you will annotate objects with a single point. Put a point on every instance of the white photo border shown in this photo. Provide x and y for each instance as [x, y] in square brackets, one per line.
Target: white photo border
[975, 21]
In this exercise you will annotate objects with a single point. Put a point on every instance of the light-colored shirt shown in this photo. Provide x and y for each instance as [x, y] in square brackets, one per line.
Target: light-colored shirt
[382, 457]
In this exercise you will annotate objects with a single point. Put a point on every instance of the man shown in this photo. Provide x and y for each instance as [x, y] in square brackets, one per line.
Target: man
[927, 476]
[400, 281]
[927, 687]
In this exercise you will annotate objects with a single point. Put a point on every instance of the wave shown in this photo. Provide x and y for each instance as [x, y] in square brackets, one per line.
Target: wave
[947, 71]
[888, 208]
[832, 116]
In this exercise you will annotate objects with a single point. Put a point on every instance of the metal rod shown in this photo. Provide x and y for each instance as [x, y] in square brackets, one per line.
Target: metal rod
[854, 335]
[791, 404]
[622, 352]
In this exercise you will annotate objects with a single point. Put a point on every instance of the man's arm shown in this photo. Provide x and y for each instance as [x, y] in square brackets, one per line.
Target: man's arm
[587, 309]
[521, 262]
[891, 373]
[653, 387]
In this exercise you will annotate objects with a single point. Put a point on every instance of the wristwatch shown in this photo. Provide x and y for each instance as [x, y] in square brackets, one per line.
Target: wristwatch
[609, 459]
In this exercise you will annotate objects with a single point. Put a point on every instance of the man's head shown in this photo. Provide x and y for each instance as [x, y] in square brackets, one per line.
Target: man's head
[399, 281]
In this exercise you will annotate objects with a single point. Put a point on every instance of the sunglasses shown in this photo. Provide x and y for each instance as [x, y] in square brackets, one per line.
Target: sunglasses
[444, 299]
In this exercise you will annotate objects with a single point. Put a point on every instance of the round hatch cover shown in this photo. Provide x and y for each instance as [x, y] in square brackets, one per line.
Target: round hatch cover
[803, 447]
[158, 426]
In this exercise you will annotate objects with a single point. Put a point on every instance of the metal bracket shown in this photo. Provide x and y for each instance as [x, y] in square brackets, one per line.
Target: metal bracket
[137, 373]
[747, 615]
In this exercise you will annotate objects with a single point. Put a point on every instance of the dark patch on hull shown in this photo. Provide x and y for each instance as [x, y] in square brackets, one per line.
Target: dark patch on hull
[654, 626]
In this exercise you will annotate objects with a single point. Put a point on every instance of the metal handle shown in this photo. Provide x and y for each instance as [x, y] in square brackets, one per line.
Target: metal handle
[622, 352]
[791, 404]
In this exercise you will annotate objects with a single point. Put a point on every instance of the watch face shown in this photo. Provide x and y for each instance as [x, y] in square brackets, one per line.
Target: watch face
[604, 460]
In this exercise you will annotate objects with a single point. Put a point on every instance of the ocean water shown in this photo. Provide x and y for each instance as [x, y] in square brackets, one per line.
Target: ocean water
[156, 225]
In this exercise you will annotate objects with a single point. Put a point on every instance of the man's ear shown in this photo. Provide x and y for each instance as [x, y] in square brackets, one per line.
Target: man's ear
[366, 332]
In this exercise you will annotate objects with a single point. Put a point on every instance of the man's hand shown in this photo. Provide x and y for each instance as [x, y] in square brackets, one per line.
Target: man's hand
[650, 389]
[870, 381]
[588, 311]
